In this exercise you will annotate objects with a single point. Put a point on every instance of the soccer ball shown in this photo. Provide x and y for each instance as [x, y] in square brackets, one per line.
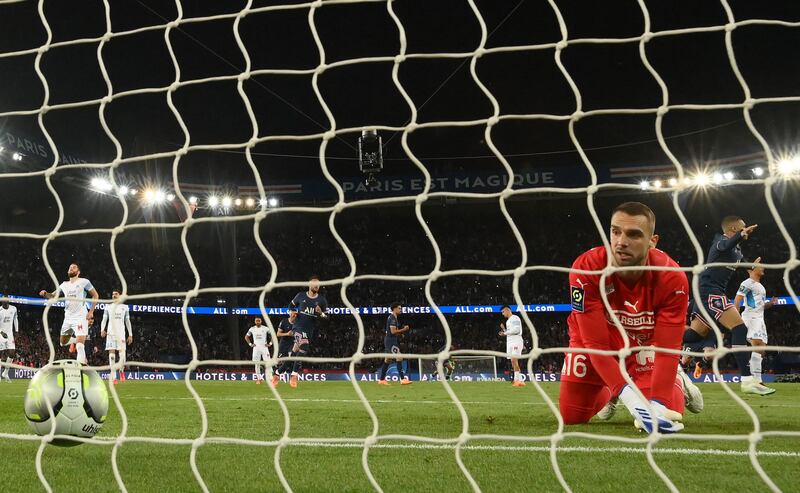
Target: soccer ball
[77, 397]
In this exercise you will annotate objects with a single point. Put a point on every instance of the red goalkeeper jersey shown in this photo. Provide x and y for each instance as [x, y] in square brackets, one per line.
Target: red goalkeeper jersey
[652, 312]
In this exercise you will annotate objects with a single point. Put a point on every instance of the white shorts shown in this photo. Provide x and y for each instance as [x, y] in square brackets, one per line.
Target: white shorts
[7, 344]
[115, 343]
[514, 349]
[260, 353]
[75, 327]
[756, 329]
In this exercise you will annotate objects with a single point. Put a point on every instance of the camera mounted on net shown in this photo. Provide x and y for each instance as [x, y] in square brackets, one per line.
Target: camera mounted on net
[370, 154]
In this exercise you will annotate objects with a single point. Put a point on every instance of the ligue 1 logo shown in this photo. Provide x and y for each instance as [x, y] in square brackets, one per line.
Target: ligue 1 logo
[577, 298]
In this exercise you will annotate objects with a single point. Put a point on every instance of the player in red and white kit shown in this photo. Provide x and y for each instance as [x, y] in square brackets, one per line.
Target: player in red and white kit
[651, 306]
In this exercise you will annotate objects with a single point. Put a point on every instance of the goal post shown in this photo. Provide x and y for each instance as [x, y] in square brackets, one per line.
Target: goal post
[466, 368]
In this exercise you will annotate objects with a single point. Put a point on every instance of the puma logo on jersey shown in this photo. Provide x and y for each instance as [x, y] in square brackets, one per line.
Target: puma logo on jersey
[583, 284]
[632, 305]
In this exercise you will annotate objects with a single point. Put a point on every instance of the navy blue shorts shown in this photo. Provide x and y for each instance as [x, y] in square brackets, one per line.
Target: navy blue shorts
[300, 338]
[715, 303]
[391, 346]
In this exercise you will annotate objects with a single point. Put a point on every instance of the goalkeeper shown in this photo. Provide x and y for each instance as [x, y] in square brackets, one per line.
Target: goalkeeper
[650, 305]
[449, 366]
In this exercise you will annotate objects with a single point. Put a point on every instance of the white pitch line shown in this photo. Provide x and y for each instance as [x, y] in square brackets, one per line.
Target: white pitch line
[504, 448]
[523, 448]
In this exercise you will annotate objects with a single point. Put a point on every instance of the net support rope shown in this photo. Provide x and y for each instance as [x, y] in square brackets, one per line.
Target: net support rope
[375, 439]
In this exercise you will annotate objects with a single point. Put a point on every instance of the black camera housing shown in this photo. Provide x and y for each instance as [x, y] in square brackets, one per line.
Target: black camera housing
[370, 152]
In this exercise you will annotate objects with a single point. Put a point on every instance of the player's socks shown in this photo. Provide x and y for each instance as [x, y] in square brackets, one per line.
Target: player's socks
[69, 342]
[80, 347]
[121, 364]
[404, 380]
[112, 360]
[517, 377]
[288, 365]
[384, 369]
[257, 374]
[298, 365]
[738, 340]
[755, 366]
[9, 360]
[690, 336]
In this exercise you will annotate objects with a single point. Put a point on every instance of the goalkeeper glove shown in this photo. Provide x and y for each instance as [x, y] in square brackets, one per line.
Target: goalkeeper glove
[642, 412]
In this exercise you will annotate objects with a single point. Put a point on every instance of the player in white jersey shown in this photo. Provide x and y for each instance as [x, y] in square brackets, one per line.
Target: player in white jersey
[753, 295]
[116, 343]
[512, 330]
[258, 338]
[8, 325]
[77, 318]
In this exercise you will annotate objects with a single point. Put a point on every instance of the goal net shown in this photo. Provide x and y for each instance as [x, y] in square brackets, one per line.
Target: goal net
[202, 158]
[464, 368]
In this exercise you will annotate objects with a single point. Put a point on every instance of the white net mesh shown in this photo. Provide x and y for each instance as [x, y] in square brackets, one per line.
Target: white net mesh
[333, 131]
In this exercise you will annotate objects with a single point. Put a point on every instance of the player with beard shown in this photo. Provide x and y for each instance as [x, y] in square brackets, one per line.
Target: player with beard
[310, 307]
[650, 305]
[258, 338]
[77, 318]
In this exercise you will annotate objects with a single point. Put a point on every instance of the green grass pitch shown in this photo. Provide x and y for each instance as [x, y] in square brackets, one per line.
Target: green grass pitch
[321, 410]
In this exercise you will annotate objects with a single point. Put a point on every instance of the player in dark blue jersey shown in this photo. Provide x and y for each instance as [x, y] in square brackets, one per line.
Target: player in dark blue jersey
[392, 345]
[285, 344]
[310, 307]
[713, 284]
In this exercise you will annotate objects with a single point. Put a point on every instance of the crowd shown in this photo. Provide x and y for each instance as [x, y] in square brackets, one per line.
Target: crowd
[384, 241]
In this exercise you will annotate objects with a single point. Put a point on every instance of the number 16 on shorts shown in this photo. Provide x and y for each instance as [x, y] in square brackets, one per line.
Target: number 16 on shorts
[574, 365]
